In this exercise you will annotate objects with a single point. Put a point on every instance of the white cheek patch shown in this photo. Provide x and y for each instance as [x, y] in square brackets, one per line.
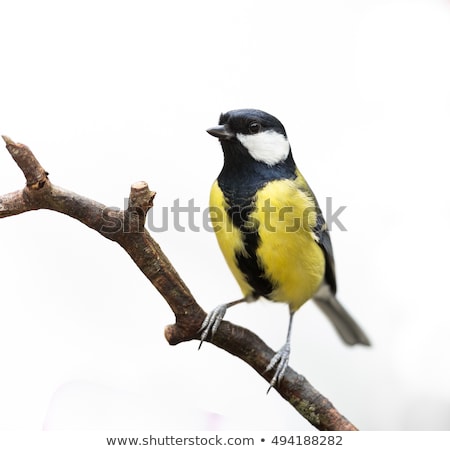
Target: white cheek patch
[269, 147]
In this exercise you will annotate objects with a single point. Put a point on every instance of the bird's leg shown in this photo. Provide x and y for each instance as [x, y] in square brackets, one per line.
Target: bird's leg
[281, 359]
[212, 321]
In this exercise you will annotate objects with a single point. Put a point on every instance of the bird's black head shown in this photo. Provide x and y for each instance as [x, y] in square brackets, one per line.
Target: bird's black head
[249, 122]
[252, 133]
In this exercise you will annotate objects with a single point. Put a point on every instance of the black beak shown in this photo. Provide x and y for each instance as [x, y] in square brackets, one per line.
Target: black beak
[221, 132]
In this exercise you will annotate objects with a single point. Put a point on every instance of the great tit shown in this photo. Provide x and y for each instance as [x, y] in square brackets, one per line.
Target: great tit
[270, 228]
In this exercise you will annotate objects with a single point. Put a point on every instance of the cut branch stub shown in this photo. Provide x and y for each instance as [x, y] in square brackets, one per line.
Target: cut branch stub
[34, 173]
[139, 203]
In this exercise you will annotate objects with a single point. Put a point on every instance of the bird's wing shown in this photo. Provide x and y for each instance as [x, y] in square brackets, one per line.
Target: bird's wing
[322, 234]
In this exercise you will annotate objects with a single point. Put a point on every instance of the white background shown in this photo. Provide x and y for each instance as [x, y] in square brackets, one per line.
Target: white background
[107, 93]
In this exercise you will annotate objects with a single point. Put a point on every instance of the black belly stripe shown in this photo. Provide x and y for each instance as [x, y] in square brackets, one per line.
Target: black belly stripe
[248, 264]
[247, 261]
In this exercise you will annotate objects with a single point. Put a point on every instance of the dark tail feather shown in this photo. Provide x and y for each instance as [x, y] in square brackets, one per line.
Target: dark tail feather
[345, 325]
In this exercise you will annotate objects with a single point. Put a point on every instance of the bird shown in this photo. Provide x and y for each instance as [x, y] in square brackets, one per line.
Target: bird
[271, 230]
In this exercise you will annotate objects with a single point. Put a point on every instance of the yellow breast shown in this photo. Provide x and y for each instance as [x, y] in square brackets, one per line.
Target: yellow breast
[288, 252]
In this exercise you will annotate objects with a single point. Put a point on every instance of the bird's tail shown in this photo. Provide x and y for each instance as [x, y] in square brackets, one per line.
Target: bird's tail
[345, 325]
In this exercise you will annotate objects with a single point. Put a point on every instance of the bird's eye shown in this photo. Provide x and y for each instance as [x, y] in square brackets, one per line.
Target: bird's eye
[254, 127]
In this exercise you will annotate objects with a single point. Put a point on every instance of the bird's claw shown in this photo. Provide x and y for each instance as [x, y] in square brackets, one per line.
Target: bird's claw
[279, 361]
[212, 322]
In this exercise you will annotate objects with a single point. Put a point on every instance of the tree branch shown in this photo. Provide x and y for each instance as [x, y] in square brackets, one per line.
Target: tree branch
[127, 228]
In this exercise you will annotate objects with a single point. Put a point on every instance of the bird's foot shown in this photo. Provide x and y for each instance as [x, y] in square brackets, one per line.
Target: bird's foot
[279, 361]
[212, 322]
